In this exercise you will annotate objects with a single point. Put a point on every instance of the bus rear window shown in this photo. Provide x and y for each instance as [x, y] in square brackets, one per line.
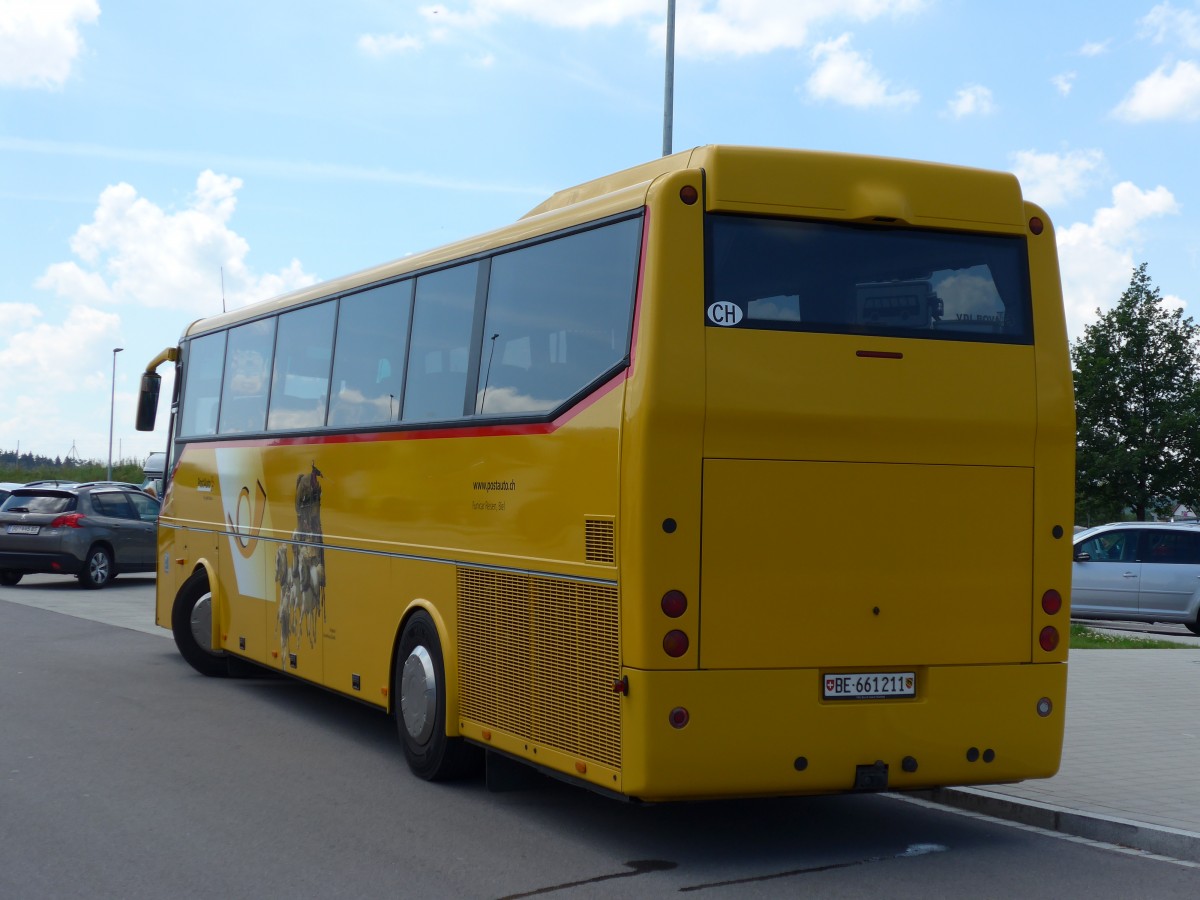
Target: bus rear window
[779, 274]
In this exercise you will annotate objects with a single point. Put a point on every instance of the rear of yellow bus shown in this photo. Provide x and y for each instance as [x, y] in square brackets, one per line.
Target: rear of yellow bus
[847, 481]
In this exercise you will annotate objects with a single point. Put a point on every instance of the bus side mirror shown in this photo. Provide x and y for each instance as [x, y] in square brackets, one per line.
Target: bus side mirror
[148, 401]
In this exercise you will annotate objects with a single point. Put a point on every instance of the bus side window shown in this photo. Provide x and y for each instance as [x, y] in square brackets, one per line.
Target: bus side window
[247, 377]
[205, 356]
[300, 382]
[561, 314]
[443, 310]
[369, 355]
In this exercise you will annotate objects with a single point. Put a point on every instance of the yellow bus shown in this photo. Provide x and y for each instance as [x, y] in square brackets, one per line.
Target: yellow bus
[742, 472]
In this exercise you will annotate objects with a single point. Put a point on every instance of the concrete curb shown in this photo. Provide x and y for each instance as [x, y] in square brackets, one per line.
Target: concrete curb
[1157, 839]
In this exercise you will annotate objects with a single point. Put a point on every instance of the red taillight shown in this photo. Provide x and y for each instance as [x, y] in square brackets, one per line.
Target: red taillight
[1048, 639]
[674, 604]
[679, 717]
[68, 520]
[675, 643]
[1036, 225]
[1051, 602]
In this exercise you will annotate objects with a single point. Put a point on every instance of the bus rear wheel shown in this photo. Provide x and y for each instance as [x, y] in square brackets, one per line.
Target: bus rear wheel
[191, 624]
[420, 691]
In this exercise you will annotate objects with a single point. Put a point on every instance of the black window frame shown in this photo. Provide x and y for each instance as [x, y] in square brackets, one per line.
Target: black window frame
[468, 418]
[1025, 337]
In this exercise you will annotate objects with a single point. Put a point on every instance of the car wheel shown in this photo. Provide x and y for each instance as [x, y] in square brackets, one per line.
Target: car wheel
[98, 569]
[191, 624]
[420, 690]
[1194, 627]
[8, 577]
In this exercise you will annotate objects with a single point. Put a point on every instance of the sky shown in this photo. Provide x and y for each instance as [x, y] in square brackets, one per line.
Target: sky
[158, 160]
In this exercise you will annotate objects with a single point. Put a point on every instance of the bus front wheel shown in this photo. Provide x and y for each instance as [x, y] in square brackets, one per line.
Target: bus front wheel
[420, 690]
[191, 623]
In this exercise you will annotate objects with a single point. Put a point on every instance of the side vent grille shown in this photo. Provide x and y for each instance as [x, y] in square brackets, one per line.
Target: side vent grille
[537, 657]
[598, 540]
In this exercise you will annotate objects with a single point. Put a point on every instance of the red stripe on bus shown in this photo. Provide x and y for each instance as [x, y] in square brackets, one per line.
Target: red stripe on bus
[471, 431]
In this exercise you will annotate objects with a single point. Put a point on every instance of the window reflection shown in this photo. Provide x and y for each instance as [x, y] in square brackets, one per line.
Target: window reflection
[558, 317]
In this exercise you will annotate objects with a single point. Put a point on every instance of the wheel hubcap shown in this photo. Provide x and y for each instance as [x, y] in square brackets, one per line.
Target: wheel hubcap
[418, 695]
[201, 622]
[98, 568]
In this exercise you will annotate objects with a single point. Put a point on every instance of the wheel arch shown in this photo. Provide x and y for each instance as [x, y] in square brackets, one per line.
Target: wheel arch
[209, 568]
[108, 546]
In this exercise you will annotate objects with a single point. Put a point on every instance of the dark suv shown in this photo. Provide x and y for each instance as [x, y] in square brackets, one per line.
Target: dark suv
[92, 531]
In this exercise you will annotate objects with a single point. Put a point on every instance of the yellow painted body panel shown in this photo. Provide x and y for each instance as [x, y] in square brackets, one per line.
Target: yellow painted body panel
[748, 728]
[760, 473]
[864, 564]
[396, 515]
[808, 396]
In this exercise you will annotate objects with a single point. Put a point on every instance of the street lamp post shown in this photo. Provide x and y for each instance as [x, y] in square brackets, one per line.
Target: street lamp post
[112, 407]
[669, 92]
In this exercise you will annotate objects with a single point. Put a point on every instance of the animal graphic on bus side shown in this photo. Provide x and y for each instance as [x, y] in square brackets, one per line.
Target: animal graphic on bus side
[300, 566]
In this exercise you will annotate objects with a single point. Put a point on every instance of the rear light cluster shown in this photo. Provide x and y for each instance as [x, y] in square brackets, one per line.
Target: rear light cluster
[68, 520]
[675, 642]
[1051, 605]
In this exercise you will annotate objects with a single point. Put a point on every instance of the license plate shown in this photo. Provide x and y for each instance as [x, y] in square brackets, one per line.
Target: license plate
[24, 529]
[870, 685]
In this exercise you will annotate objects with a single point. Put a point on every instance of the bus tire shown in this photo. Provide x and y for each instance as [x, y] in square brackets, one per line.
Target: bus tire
[189, 615]
[420, 691]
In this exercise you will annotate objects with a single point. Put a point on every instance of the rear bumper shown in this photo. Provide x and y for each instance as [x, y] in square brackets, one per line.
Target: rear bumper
[769, 732]
[43, 563]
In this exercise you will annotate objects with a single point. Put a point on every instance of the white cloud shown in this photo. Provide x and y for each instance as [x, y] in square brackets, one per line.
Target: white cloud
[380, 45]
[1096, 258]
[845, 76]
[1094, 48]
[16, 316]
[1164, 96]
[1166, 22]
[1052, 178]
[973, 100]
[44, 349]
[702, 27]
[40, 40]
[139, 274]
[1064, 82]
[578, 14]
[136, 253]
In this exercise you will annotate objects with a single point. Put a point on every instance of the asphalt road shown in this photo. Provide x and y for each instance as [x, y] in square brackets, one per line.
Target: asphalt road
[127, 775]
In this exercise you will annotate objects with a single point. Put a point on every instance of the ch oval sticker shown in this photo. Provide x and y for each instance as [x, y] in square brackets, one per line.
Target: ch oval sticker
[724, 313]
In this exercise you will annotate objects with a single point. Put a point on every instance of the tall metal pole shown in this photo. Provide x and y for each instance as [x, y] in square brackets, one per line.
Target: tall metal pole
[112, 407]
[669, 99]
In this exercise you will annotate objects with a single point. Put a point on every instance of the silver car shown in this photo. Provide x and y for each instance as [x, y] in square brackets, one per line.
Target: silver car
[1138, 572]
[92, 531]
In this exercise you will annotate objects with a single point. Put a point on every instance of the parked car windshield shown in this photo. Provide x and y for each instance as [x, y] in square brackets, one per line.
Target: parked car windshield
[38, 503]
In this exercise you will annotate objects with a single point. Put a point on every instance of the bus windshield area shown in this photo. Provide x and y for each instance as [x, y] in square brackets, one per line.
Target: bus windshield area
[789, 275]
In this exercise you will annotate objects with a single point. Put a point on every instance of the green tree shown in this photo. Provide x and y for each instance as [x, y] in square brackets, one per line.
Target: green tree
[1137, 396]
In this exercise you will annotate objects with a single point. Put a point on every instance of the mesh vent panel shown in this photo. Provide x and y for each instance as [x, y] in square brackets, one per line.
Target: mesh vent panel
[538, 657]
[598, 540]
